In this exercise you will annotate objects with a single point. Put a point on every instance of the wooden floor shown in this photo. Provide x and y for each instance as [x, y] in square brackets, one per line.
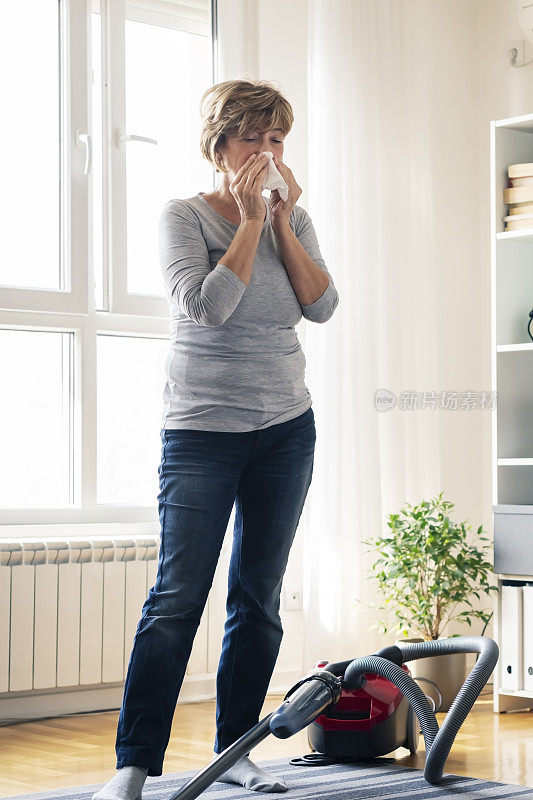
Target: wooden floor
[79, 750]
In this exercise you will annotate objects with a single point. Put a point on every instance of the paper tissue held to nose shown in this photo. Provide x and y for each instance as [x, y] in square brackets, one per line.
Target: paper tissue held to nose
[273, 178]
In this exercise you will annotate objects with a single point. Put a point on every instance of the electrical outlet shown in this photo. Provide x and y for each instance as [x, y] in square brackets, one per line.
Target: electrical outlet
[519, 46]
[293, 600]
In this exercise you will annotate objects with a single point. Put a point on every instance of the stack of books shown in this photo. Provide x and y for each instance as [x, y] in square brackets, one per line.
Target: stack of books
[519, 197]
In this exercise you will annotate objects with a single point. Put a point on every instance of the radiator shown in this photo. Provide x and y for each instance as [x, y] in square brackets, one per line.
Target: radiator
[69, 609]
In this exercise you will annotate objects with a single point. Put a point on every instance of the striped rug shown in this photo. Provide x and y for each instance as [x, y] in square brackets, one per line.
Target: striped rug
[333, 782]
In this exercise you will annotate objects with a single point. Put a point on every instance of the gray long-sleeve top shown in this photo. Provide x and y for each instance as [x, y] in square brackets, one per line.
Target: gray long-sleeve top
[235, 361]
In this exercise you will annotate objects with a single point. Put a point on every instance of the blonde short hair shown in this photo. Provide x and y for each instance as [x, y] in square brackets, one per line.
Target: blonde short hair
[236, 107]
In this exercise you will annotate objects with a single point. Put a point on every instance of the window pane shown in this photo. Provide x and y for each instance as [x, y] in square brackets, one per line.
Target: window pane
[29, 142]
[34, 419]
[131, 380]
[167, 70]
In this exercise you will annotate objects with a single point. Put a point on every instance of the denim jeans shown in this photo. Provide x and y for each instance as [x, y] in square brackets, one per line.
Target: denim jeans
[267, 474]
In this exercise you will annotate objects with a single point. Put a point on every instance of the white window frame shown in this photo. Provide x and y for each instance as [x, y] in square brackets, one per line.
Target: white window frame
[73, 312]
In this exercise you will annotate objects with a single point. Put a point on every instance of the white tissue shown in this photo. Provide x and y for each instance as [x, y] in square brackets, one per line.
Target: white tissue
[274, 179]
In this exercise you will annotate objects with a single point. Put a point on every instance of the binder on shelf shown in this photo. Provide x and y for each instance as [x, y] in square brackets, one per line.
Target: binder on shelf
[511, 658]
[528, 636]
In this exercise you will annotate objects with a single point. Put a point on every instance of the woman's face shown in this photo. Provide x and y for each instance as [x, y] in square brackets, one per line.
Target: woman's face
[238, 149]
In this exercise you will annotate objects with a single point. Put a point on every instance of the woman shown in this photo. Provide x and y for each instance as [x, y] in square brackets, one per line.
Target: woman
[237, 427]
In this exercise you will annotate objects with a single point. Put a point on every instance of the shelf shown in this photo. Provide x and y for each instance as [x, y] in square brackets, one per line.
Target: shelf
[507, 576]
[515, 462]
[524, 122]
[516, 693]
[514, 348]
[513, 508]
[526, 235]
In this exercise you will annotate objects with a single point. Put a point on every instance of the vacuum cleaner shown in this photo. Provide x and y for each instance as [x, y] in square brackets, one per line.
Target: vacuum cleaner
[362, 708]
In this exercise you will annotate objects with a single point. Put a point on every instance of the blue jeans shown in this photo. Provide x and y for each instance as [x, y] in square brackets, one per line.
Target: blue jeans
[267, 474]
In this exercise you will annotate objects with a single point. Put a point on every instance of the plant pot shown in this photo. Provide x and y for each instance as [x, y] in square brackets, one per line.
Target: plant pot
[447, 671]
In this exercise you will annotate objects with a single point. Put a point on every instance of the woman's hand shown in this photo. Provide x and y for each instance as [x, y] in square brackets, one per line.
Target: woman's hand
[280, 210]
[247, 187]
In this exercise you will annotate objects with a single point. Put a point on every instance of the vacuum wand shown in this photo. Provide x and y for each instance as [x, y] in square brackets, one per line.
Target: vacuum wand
[224, 761]
[309, 697]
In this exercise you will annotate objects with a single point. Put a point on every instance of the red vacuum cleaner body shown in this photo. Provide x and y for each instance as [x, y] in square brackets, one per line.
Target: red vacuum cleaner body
[365, 723]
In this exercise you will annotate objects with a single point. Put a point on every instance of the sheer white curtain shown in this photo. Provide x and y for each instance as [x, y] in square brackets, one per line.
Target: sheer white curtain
[371, 198]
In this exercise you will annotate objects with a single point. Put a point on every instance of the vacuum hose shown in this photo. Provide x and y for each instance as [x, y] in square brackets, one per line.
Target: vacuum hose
[438, 741]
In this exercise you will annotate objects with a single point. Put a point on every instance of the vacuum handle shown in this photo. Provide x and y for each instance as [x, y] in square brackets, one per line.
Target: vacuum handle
[312, 695]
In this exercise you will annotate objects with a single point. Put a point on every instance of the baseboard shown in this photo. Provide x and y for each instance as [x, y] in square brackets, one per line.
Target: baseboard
[17, 707]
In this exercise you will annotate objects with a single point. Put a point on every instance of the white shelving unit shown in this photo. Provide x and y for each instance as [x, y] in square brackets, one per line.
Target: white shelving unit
[511, 142]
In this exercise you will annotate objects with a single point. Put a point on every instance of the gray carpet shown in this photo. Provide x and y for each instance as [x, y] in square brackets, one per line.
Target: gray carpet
[382, 780]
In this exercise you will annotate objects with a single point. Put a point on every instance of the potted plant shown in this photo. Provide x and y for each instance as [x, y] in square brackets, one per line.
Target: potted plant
[427, 569]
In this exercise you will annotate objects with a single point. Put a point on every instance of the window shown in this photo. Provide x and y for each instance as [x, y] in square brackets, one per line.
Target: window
[108, 132]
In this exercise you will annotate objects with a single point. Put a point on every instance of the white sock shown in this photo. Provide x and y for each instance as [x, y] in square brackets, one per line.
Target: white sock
[249, 775]
[127, 784]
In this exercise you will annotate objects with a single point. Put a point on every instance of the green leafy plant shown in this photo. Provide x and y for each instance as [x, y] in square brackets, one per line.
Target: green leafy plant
[427, 568]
